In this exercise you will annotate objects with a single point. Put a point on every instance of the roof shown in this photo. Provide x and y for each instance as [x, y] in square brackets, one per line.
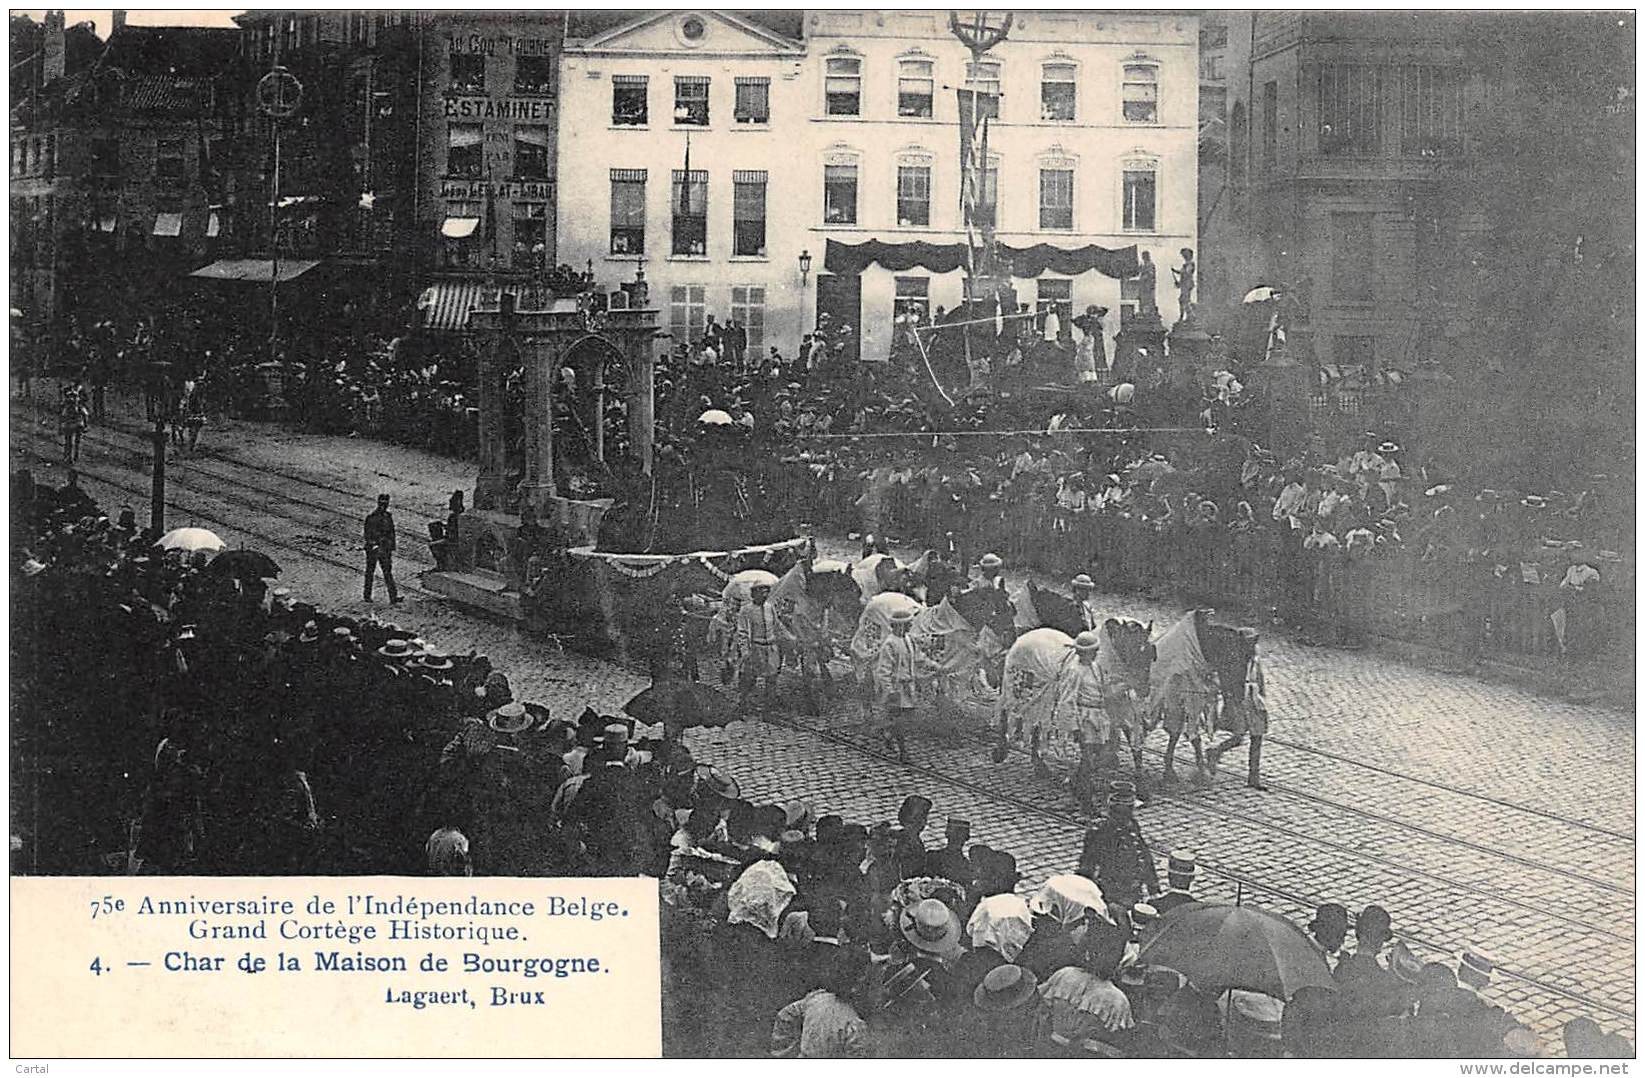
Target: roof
[185, 51]
[166, 93]
[591, 23]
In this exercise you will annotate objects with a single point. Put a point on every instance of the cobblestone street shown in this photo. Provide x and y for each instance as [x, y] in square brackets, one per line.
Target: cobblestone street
[1481, 815]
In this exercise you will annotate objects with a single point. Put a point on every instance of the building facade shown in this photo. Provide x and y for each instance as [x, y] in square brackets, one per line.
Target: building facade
[686, 126]
[1351, 164]
[1093, 143]
[117, 167]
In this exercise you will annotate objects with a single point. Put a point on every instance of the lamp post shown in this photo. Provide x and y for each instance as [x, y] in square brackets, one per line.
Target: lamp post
[279, 95]
[805, 274]
[160, 390]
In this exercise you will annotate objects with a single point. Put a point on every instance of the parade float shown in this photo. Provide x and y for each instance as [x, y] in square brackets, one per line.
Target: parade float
[578, 530]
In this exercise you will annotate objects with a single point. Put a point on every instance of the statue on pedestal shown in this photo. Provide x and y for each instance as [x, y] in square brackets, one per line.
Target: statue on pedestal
[1147, 302]
[1185, 284]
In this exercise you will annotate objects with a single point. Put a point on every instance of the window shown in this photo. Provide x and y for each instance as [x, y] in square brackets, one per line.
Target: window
[748, 308]
[916, 85]
[1137, 199]
[1354, 352]
[468, 73]
[691, 100]
[628, 100]
[1270, 126]
[687, 306]
[913, 196]
[1130, 293]
[1430, 112]
[690, 208]
[168, 160]
[839, 194]
[1057, 93]
[531, 153]
[1350, 109]
[753, 101]
[461, 226]
[843, 87]
[913, 302]
[748, 213]
[530, 234]
[983, 79]
[628, 211]
[1058, 296]
[534, 75]
[49, 162]
[356, 28]
[464, 145]
[288, 35]
[1352, 257]
[1056, 198]
[1140, 94]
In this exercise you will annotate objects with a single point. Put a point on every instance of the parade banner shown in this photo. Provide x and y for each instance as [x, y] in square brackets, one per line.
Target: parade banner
[369, 966]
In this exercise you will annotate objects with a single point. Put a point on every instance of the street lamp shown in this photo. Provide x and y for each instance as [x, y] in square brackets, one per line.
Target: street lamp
[160, 405]
[805, 274]
[279, 95]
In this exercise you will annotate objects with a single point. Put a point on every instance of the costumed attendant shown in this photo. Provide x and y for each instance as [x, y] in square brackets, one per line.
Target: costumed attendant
[1083, 693]
[896, 681]
[1250, 716]
[758, 644]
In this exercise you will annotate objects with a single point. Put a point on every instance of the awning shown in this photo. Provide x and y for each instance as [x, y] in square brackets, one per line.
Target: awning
[459, 228]
[446, 304]
[853, 258]
[259, 270]
[168, 224]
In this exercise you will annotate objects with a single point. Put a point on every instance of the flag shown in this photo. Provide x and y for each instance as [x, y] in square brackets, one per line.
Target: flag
[685, 180]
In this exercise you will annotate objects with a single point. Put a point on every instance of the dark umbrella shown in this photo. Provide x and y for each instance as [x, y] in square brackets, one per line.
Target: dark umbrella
[244, 565]
[682, 703]
[1220, 947]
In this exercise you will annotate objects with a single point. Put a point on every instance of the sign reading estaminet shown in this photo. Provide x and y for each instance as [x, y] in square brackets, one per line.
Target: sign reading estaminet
[334, 966]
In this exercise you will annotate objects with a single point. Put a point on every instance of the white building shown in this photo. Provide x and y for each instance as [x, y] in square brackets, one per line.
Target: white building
[1095, 144]
[723, 239]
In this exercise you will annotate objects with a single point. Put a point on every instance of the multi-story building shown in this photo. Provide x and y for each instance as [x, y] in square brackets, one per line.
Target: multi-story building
[1213, 294]
[1351, 165]
[116, 166]
[688, 127]
[1092, 143]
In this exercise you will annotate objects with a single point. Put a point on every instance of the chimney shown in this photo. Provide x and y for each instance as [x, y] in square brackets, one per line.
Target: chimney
[117, 22]
[55, 49]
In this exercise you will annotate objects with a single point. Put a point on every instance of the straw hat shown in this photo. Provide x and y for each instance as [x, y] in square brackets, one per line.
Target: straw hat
[930, 925]
[1087, 643]
[1006, 988]
[511, 718]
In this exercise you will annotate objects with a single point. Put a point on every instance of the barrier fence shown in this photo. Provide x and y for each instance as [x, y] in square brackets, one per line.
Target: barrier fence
[1445, 602]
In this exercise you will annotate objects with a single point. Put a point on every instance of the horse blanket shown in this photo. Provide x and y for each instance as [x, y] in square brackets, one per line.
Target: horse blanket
[813, 626]
[1042, 691]
[949, 649]
[867, 574]
[1184, 687]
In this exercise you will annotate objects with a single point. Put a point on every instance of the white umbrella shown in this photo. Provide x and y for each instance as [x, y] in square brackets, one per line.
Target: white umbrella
[1069, 898]
[191, 539]
[1260, 294]
[716, 418]
[15, 313]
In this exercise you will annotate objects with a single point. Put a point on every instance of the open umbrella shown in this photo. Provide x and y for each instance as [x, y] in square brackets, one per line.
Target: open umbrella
[244, 565]
[1260, 294]
[685, 703]
[190, 539]
[715, 417]
[1220, 947]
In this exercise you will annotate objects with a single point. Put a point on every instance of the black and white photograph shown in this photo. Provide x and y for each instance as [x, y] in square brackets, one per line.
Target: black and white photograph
[1038, 533]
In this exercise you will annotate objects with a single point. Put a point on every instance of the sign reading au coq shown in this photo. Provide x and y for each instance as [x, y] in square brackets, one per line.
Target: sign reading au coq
[506, 108]
[480, 44]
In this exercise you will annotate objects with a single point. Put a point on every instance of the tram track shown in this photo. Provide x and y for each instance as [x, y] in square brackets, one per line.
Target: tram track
[192, 466]
[330, 511]
[992, 792]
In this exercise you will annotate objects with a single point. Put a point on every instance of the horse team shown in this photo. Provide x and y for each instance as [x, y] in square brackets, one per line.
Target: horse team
[1061, 673]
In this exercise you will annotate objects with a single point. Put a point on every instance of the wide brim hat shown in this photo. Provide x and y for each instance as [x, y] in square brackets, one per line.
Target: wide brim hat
[1388, 447]
[902, 617]
[1534, 501]
[1083, 581]
[396, 649]
[511, 718]
[310, 633]
[1087, 642]
[930, 925]
[1182, 863]
[1006, 988]
[435, 662]
[991, 561]
[718, 782]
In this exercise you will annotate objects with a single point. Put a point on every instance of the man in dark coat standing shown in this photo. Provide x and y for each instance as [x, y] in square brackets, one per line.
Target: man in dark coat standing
[380, 549]
[1116, 855]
